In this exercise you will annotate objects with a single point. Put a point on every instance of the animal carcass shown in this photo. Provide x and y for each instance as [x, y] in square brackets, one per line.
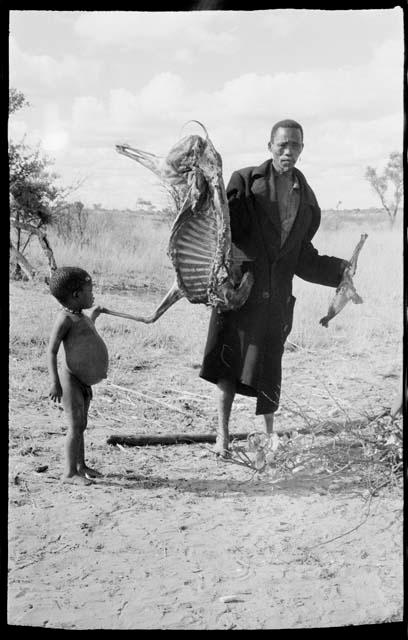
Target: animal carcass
[200, 239]
[346, 290]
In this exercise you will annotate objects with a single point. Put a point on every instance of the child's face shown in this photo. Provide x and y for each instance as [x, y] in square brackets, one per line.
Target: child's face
[84, 296]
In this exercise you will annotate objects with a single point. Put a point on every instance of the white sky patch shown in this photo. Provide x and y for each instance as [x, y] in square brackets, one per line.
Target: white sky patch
[17, 129]
[185, 55]
[147, 30]
[55, 141]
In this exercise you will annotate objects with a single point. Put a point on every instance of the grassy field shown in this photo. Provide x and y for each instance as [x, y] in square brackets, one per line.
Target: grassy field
[125, 253]
[169, 531]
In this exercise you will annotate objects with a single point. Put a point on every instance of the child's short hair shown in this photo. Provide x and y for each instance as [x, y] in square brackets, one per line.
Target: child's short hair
[65, 280]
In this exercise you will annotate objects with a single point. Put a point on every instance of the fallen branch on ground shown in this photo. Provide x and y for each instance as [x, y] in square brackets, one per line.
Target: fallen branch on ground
[167, 439]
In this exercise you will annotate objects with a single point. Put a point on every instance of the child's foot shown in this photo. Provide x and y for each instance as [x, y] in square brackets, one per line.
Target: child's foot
[89, 473]
[77, 479]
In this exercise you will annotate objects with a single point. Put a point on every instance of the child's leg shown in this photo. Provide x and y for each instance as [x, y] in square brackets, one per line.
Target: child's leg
[82, 467]
[75, 411]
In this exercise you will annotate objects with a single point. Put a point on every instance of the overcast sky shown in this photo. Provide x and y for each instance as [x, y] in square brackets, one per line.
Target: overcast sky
[94, 79]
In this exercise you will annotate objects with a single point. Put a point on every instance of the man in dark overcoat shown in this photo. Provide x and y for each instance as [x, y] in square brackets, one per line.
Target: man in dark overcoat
[274, 216]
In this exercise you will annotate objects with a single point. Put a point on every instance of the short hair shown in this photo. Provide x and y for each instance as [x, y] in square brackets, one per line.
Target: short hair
[286, 124]
[65, 280]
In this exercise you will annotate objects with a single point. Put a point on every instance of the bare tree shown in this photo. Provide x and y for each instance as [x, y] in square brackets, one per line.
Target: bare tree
[392, 177]
[36, 197]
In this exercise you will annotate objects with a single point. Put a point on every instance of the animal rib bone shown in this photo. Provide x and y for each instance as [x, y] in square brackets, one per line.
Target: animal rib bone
[200, 238]
[346, 290]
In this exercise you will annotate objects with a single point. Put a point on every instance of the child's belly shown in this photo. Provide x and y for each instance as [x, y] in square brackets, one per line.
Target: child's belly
[87, 358]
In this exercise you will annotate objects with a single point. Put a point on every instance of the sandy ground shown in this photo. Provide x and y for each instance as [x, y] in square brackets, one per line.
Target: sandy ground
[169, 532]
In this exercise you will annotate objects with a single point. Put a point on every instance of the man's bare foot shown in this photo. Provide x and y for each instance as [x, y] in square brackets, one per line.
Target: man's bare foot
[221, 449]
[89, 473]
[77, 479]
[275, 440]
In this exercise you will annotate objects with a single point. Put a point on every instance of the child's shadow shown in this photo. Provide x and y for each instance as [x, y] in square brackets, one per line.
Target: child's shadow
[301, 484]
[209, 487]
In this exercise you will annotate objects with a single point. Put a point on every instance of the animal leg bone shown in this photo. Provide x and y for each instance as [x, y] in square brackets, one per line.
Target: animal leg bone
[353, 261]
[148, 160]
[169, 299]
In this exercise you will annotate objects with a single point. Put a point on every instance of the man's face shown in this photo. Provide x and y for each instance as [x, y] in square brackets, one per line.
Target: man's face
[286, 148]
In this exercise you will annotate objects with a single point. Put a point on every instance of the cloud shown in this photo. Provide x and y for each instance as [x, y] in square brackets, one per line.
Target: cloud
[356, 91]
[185, 55]
[157, 30]
[43, 72]
[239, 114]
[283, 23]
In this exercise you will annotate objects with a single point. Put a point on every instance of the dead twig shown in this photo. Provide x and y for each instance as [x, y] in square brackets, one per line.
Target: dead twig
[148, 398]
[345, 533]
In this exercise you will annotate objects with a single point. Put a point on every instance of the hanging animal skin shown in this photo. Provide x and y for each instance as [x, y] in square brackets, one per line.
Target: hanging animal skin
[200, 238]
[346, 290]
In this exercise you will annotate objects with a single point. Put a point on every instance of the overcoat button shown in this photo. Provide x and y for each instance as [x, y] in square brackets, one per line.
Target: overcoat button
[265, 294]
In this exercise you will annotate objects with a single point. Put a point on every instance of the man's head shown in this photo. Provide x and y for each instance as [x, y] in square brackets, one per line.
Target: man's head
[72, 287]
[286, 144]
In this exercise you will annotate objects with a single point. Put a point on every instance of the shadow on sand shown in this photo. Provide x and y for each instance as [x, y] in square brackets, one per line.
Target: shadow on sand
[299, 485]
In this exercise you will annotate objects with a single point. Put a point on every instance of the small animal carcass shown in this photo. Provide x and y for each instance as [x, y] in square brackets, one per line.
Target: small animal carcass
[346, 290]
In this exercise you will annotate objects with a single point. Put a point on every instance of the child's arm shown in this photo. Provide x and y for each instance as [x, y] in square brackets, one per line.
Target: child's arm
[96, 311]
[59, 331]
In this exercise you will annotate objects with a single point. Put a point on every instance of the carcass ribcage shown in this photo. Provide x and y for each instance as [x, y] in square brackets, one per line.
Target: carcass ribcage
[192, 248]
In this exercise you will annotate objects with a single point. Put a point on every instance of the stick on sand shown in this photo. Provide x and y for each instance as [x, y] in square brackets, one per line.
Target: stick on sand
[171, 438]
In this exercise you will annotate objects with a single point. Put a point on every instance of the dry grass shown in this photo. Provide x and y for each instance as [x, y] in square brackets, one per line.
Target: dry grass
[125, 254]
[378, 280]
[120, 250]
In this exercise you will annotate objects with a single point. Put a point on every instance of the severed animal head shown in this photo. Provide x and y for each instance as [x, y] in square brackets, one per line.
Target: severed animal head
[200, 238]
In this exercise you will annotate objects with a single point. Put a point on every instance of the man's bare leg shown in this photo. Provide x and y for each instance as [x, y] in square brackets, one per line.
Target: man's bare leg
[268, 417]
[226, 394]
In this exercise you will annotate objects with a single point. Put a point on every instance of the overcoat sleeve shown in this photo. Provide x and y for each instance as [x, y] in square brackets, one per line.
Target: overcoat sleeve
[240, 219]
[324, 270]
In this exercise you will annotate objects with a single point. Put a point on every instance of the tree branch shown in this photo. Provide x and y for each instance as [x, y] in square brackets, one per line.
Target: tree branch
[45, 245]
[16, 256]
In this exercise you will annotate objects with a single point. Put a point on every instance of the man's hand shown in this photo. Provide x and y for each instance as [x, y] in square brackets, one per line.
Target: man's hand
[96, 311]
[55, 392]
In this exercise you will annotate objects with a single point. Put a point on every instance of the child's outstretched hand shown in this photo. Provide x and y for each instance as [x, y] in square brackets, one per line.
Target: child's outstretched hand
[55, 392]
[96, 311]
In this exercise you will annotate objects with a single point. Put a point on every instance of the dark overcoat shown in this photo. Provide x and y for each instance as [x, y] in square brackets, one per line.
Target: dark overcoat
[247, 345]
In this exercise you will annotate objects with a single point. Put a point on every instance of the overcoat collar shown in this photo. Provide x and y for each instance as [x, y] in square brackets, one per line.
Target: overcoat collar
[266, 200]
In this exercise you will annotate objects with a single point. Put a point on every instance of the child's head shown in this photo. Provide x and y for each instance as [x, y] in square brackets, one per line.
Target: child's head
[72, 287]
